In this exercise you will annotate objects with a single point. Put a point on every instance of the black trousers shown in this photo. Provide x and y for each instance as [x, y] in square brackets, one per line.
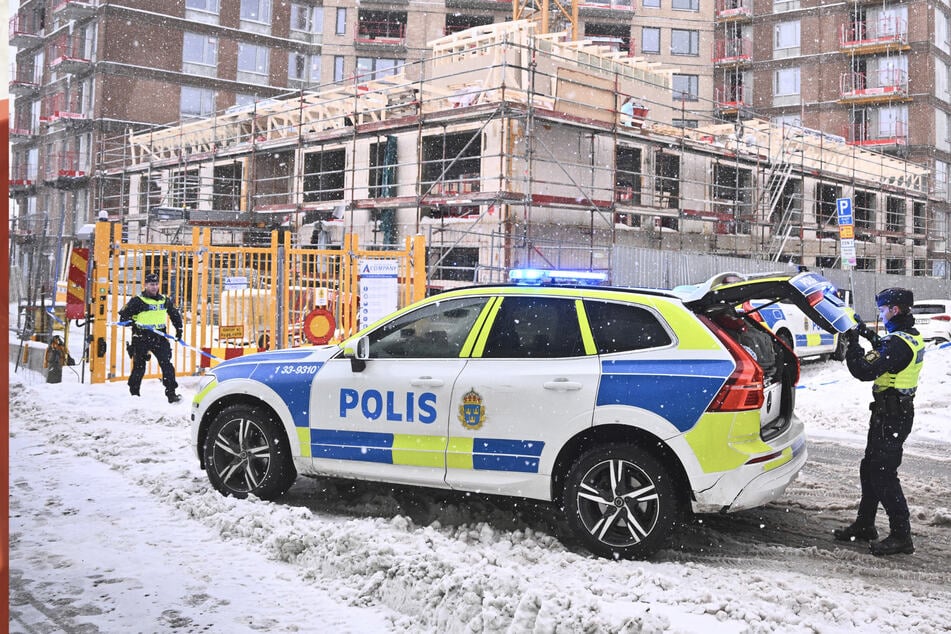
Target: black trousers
[892, 417]
[144, 343]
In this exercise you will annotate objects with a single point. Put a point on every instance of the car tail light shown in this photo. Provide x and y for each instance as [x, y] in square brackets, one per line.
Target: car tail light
[743, 389]
[942, 317]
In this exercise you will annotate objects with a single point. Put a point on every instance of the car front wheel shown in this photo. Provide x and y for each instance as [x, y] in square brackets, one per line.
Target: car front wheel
[246, 453]
[620, 501]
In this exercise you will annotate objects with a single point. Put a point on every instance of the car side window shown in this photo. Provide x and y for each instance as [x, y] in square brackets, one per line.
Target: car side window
[535, 327]
[620, 327]
[434, 331]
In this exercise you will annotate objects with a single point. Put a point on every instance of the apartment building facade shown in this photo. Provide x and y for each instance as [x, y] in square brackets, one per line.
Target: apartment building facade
[92, 70]
[874, 74]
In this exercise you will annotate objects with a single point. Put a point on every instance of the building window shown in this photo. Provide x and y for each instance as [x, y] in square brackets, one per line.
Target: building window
[683, 42]
[197, 102]
[303, 68]
[685, 5]
[786, 86]
[243, 100]
[306, 19]
[252, 63]
[338, 68]
[369, 68]
[383, 164]
[458, 264]
[324, 175]
[685, 87]
[183, 190]
[650, 40]
[200, 49]
[208, 6]
[651, 4]
[685, 123]
[256, 11]
[341, 20]
[781, 6]
[786, 40]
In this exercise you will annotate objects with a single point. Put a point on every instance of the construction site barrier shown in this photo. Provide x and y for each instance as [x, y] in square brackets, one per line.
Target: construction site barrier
[235, 300]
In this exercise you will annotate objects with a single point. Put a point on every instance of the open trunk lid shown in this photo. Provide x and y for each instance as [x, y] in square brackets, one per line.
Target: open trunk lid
[809, 291]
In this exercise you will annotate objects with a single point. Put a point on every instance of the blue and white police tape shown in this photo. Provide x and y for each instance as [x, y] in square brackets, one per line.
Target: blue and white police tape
[178, 340]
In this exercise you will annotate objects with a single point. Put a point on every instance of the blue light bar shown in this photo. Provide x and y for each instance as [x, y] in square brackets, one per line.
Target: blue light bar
[539, 277]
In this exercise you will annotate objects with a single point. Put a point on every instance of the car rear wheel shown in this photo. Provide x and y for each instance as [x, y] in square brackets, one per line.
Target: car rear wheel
[620, 501]
[246, 453]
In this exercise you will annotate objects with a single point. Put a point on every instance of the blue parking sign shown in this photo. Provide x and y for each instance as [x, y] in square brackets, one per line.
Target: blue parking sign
[843, 207]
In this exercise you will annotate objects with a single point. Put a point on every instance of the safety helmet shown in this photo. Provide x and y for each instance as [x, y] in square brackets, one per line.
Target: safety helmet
[895, 297]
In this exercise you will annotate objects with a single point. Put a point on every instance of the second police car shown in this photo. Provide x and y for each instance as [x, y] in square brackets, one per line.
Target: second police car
[626, 408]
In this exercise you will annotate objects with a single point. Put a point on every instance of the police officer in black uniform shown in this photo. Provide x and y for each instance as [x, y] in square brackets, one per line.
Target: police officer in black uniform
[149, 312]
[894, 365]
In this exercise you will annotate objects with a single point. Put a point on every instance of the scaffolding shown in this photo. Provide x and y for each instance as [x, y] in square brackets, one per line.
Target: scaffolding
[509, 148]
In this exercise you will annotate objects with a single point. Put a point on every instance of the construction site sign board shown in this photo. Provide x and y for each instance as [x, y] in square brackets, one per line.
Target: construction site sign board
[379, 292]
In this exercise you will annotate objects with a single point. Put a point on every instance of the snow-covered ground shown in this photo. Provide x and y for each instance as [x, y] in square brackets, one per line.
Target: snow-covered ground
[114, 528]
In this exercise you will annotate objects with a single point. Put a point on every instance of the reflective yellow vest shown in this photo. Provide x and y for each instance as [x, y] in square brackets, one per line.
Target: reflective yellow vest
[155, 316]
[907, 379]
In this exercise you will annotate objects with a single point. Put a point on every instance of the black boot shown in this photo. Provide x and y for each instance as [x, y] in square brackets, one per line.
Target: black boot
[856, 532]
[894, 544]
[134, 391]
[173, 397]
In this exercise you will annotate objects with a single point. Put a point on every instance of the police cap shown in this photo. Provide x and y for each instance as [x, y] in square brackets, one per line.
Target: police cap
[151, 277]
[895, 297]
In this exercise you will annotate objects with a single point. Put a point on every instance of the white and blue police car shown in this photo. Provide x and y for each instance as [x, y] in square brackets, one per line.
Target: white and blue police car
[625, 408]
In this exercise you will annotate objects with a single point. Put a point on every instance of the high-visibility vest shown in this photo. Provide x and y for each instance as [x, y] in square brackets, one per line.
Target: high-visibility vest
[155, 316]
[906, 380]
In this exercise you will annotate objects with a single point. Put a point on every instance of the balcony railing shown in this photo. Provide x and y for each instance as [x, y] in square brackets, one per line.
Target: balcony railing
[371, 32]
[59, 107]
[66, 165]
[22, 129]
[74, 10]
[22, 175]
[733, 10]
[25, 31]
[886, 33]
[734, 50]
[733, 97]
[867, 135]
[22, 80]
[881, 85]
[69, 54]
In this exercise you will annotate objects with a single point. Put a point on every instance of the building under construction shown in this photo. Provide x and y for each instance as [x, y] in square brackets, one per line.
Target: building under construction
[507, 148]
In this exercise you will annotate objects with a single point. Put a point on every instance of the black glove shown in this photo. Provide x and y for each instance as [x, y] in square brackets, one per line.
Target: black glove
[869, 334]
[174, 333]
[851, 336]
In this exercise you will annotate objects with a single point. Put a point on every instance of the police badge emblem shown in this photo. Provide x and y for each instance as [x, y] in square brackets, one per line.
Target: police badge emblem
[472, 411]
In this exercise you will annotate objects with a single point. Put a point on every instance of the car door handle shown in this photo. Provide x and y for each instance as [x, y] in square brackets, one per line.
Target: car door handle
[562, 385]
[427, 381]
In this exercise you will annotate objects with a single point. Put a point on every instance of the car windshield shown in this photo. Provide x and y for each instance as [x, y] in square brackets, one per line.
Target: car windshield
[928, 309]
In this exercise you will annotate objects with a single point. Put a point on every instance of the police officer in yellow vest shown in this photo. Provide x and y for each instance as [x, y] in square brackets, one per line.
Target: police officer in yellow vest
[894, 365]
[149, 312]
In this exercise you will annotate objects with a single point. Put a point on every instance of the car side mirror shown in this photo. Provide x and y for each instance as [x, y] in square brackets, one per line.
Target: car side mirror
[361, 352]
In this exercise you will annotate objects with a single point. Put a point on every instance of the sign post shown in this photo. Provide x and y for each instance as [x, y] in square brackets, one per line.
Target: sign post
[843, 208]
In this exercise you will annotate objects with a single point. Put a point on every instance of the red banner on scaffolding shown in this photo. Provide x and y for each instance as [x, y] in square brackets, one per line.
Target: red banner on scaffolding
[76, 283]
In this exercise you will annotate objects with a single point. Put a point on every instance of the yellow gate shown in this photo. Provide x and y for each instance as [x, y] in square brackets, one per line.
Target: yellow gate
[235, 300]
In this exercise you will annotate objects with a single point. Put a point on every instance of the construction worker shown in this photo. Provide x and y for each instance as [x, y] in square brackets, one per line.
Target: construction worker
[894, 365]
[148, 313]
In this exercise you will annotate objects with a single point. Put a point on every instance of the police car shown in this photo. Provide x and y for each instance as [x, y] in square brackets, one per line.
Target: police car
[626, 408]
